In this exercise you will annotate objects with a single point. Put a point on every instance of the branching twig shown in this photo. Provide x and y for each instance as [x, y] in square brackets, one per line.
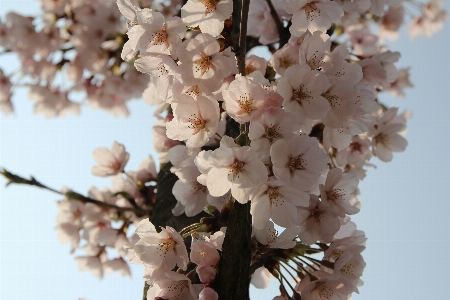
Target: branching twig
[71, 195]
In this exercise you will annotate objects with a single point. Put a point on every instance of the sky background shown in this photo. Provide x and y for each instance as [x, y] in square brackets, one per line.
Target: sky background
[405, 203]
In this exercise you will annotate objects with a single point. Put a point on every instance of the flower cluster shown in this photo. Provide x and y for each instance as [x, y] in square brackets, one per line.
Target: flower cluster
[99, 224]
[288, 136]
[309, 125]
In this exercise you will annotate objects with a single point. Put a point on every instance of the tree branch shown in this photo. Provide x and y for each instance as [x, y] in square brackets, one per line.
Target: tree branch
[71, 195]
[233, 276]
[243, 37]
[275, 17]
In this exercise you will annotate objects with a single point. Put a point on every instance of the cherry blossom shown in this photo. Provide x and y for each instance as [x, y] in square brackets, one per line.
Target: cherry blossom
[338, 193]
[202, 64]
[161, 251]
[273, 125]
[189, 192]
[312, 15]
[317, 222]
[209, 15]
[154, 34]
[110, 162]
[243, 99]
[236, 168]
[269, 236]
[194, 121]
[172, 285]
[327, 286]
[302, 91]
[292, 131]
[277, 201]
[299, 161]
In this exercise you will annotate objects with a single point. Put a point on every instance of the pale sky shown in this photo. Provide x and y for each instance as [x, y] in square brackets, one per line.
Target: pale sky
[405, 203]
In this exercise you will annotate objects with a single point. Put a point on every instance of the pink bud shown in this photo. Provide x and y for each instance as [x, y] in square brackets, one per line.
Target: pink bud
[208, 294]
[203, 253]
[206, 273]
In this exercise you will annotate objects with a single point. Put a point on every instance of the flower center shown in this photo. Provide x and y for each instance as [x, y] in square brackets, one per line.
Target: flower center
[160, 37]
[315, 61]
[325, 291]
[317, 215]
[210, 5]
[355, 147]
[312, 11]
[177, 288]
[296, 163]
[162, 70]
[348, 269]
[203, 64]
[336, 194]
[166, 245]
[197, 123]
[286, 62]
[193, 91]
[245, 104]
[334, 100]
[115, 165]
[275, 196]
[236, 168]
[336, 254]
[301, 94]
[272, 236]
[381, 138]
[198, 187]
[272, 133]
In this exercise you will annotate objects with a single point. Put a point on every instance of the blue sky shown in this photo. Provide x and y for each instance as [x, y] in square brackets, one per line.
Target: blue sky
[405, 203]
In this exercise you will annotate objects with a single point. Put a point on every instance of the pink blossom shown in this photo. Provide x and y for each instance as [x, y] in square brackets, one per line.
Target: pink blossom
[243, 99]
[236, 168]
[299, 161]
[206, 273]
[209, 15]
[312, 15]
[194, 121]
[110, 162]
[317, 222]
[269, 236]
[326, 287]
[160, 251]
[302, 91]
[338, 193]
[205, 254]
[277, 201]
[172, 285]
[154, 34]
[202, 64]
[269, 127]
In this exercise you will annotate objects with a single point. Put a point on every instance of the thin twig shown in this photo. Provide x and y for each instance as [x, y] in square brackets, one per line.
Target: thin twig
[230, 40]
[243, 36]
[276, 18]
[71, 195]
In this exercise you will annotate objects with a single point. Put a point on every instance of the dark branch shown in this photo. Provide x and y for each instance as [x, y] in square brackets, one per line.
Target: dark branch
[71, 195]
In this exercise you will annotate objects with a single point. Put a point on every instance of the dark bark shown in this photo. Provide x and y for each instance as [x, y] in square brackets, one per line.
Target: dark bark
[233, 277]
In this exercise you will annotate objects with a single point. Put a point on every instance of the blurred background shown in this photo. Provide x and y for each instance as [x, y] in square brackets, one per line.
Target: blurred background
[405, 203]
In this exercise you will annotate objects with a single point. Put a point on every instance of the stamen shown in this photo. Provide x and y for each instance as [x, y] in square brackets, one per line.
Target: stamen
[236, 168]
[203, 64]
